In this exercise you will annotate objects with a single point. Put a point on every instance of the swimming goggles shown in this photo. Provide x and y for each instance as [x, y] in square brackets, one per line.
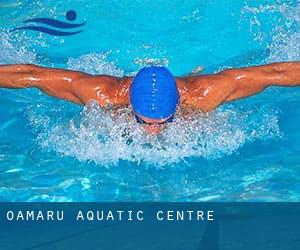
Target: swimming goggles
[141, 121]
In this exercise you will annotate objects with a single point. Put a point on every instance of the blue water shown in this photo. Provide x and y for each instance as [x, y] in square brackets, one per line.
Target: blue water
[248, 150]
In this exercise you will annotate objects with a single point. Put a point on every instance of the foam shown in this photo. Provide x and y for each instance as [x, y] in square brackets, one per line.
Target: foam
[285, 45]
[107, 136]
[285, 37]
[95, 63]
[13, 51]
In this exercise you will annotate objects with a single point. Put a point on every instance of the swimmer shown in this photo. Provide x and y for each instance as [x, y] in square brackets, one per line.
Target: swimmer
[154, 93]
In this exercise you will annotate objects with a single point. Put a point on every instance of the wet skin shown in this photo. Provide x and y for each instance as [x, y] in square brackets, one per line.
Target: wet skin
[203, 92]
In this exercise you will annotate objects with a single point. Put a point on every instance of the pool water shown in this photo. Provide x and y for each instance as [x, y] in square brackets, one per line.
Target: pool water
[248, 150]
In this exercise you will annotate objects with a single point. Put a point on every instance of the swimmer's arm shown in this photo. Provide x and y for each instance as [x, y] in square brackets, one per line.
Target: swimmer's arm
[54, 82]
[74, 86]
[255, 79]
[207, 92]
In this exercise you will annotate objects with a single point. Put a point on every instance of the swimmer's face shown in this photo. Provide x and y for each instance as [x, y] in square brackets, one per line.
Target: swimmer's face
[153, 126]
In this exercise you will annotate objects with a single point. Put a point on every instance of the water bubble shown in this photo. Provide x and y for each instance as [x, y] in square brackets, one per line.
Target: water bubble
[285, 45]
[285, 35]
[106, 136]
[95, 63]
[12, 51]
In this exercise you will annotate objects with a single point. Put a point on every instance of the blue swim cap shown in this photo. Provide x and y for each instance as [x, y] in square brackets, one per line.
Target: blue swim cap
[154, 93]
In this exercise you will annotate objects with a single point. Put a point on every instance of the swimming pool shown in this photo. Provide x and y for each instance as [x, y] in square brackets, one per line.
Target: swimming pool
[248, 150]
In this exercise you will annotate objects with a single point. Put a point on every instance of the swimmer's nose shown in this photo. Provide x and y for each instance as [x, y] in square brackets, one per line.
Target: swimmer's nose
[153, 129]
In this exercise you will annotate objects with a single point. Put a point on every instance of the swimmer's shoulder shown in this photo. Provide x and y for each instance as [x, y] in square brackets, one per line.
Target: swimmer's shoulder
[205, 92]
[191, 85]
[104, 89]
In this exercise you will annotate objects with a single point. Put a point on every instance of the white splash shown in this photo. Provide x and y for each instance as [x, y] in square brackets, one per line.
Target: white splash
[95, 63]
[285, 45]
[106, 136]
[12, 51]
[285, 42]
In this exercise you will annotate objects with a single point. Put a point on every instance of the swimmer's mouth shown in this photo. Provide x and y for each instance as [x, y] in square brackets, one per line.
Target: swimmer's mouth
[141, 121]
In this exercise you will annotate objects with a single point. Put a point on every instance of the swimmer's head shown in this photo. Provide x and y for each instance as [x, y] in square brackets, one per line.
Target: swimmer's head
[154, 95]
